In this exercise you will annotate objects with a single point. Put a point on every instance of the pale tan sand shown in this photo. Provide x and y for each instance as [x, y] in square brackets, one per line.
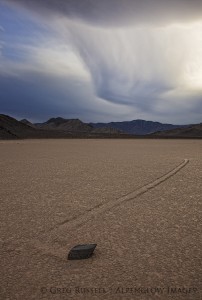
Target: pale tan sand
[59, 193]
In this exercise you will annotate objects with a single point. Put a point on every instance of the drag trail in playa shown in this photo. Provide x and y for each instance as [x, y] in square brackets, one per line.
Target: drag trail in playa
[139, 200]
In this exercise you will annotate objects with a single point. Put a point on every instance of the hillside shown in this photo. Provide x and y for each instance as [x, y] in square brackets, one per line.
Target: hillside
[10, 128]
[192, 131]
[73, 125]
[107, 130]
[25, 121]
[137, 127]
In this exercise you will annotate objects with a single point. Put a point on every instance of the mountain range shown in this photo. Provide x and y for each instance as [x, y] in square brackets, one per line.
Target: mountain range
[11, 128]
[192, 131]
[138, 127]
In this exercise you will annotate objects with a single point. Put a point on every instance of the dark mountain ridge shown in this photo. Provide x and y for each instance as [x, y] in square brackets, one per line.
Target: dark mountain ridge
[10, 128]
[25, 121]
[65, 124]
[193, 131]
[138, 127]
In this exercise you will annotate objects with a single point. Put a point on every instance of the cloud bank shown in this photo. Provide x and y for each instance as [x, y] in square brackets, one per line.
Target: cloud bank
[108, 60]
[119, 12]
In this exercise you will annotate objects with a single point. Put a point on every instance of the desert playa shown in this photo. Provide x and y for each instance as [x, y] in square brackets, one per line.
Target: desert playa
[138, 200]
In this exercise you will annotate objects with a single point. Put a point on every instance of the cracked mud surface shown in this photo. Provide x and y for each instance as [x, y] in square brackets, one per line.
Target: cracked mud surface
[139, 200]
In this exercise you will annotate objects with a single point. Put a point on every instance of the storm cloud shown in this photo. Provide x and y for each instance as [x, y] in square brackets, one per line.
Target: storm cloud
[119, 12]
[107, 60]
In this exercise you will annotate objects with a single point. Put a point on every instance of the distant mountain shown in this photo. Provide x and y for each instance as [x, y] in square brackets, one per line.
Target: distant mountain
[107, 130]
[192, 131]
[137, 127]
[10, 128]
[73, 125]
[25, 121]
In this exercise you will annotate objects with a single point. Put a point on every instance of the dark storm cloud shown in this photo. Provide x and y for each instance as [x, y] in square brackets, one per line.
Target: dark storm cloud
[19, 99]
[122, 72]
[119, 12]
[39, 96]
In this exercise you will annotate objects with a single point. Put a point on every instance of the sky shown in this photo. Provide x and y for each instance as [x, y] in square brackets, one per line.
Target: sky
[101, 61]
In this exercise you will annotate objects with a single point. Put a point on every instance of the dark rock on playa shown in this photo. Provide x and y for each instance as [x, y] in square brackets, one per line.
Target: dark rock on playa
[82, 251]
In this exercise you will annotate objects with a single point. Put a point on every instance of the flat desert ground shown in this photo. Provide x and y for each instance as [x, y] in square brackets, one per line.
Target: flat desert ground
[138, 200]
